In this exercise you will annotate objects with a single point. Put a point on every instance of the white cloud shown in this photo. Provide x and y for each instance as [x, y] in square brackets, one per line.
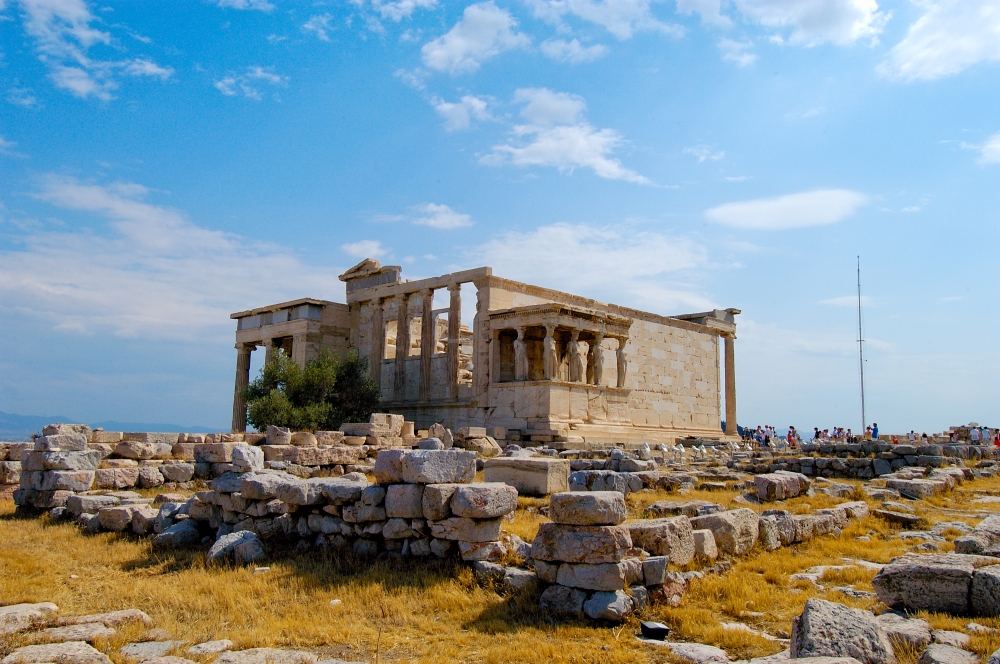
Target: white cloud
[22, 97]
[810, 208]
[319, 25]
[145, 270]
[571, 51]
[401, 9]
[737, 52]
[458, 115]
[705, 153]
[414, 79]
[7, 148]
[484, 32]
[990, 150]
[634, 265]
[140, 67]
[559, 136]
[259, 5]
[364, 249]
[441, 217]
[848, 301]
[818, 21]
[622, 18]
[244, 84]
[710, 10]
[64, 34]
[950, 37]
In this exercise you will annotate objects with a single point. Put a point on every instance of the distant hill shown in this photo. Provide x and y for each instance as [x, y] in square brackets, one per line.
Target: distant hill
[20, 427]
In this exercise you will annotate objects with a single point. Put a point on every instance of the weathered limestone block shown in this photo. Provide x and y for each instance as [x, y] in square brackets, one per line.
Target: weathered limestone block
[591, 508]
[397, 529]
[79, 504]
[768, 533]
[325, 456]
[214, 452]
[135, 450]
[466, 529]
[611, 606]
[826, 629]
[303, 439]
[344, 489]
[436, 501]
[531, 476]
[143, 519]
[116, 478]
[938, 582]
[780, 485]
[984, 596]
[911, 633]
[704, 545]
[984, 537]
[242, 547]
[247, 459]
[299, 492]
[181, 535]
[483, 500]
[109, 437]
[604, 480]
[405, 501]
[70, 442]
[470, 551]
[266, 656]
[601, 576]
[939, 653]
[19, 617]
[278, 436]
[438, 466]
[735, 531]
[61, 429]
[151, 437]
[581, 544]
[70, 652]
[149, 477]
[279, 452]
[563, 600]
[263, 486]
[117, 518]
[672, 537]
[10, 472]
[67, 480]
[88, 460]
[856, 509]
[119, 463]
[918, 488]
[329, 438]
[229, 482]
[177, 472]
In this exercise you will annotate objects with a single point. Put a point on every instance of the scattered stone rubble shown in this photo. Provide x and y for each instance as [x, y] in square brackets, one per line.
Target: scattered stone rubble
[74, 645]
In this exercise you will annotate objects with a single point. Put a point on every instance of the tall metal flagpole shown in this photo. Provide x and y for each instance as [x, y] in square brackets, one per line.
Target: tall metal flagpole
[861, 352]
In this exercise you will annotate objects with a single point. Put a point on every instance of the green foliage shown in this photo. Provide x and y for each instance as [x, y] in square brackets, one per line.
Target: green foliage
[327, 393]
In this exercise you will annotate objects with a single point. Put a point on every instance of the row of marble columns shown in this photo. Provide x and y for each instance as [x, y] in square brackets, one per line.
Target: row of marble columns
[592, 372]
[243, 352]
[427, 340]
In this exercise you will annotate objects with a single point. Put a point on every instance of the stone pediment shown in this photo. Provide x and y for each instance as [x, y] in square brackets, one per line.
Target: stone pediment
[368, 273]
[365, 268]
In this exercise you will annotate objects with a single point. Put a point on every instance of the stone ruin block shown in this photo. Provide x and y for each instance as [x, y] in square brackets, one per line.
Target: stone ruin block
[581, 544]
[61, 429]
[673, 537]
[530, 476]
[67, 442]
[151, 437]
[425, 466]
[591, 508]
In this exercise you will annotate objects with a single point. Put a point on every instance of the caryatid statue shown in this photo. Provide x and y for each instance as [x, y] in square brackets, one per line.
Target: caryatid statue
[622, 363]
[598, 358]
[576, 368]
[550, 355]
[520, 356]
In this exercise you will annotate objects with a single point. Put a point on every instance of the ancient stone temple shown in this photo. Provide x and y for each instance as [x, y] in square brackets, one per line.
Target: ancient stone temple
[550, 365]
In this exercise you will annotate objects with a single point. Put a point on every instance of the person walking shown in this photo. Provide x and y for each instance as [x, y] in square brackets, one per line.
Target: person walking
[875, 431]
[974, 435]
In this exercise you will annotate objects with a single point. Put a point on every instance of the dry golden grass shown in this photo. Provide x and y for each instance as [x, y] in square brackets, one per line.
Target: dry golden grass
[435, 611]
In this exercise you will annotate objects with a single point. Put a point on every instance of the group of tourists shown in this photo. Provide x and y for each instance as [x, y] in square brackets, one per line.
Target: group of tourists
[842, 435]
[765, 436]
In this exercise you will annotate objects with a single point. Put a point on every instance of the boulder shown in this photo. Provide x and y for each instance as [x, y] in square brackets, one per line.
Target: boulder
[210, 647]
[611, 606]
[150, 477]
[181, 535]
[561, 600]
[262, 486]
[735, 531]
[581, 544]
[82, 504]
[425, 466]
[436, 501]
[588, 508]
[983, 538]
[116, 519]
[177, 472]
[672, 537]
[950, 638]
[84, 632]
[483, 500]
[138, 451]
[984, 596]
[827, 629]
[243, 547]
[935, 582]
[303, 439]
[938, 653]
[915, 634]
[19, 617]
[470, 551]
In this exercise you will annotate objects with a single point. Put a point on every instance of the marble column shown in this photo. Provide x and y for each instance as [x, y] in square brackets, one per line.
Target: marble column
[402, 345]
[426, 342]
[622, 361]
[377, 342]
[270, 351]
[242, 380]
[454, 337]
[550, 356]
[730, 340]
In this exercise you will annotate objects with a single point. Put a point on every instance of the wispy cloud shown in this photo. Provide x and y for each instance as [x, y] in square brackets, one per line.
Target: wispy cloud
[441, 217]
[144, 270]
[810, 208]
[485, 31]
[259, 5]
[622, 18]
[558, 136]
[572, 51]
[247, 83]
[989, 152]
[364, 249]
[737, 52]
[319, 25]
[705, 153]
[814, 22]
[458, 115]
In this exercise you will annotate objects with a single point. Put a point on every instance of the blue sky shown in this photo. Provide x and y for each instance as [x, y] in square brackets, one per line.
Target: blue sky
[163, 164]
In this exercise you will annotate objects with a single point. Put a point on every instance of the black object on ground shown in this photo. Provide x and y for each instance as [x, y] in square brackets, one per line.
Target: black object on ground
[655, 630]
